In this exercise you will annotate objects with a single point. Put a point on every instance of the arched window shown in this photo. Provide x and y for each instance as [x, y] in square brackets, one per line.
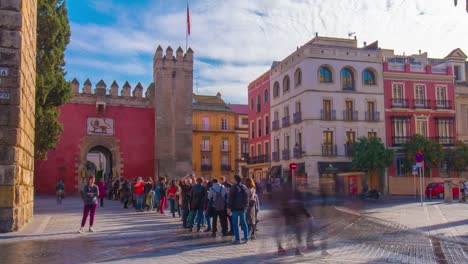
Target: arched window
[347, 79]
[258, 103]
[276, 89]
[369, 77]
[265, 95]
[286, 83]
[297, 77]
[325, 74]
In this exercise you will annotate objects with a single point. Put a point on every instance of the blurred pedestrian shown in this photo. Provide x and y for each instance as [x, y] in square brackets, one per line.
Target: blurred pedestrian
[90, 193]
[251, 214]
[218, 196]
[186, 192]
[238, 204]
[197, 198]
[171, 196]
[102, 191]
[60, 191]
[163, 193]
[139, 189]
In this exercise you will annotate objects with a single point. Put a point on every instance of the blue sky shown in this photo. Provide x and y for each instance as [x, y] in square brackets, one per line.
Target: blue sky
[235, 41]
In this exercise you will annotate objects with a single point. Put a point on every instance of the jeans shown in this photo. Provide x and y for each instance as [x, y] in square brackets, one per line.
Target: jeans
[185, 213]
[223, 219]
[208, 220]
[172, 206]
[163, 204]
[235, 222]
[139, 201]
[197, 213]
[157, 202]
[91, 210]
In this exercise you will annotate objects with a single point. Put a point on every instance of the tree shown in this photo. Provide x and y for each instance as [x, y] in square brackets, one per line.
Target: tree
[372, 156]
[52, 90]
[433, 152]
[457, 158]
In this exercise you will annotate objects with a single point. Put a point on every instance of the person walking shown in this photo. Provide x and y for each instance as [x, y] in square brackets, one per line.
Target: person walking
[238, 204]
[139, 189]
[251, 214]
[157, 197]
[171, 193]
[126, 193]
[197, 197]
[178, 197]
[208, 208]
[186, 192]
[60, 191]
[218, 196]
[163, 190]
[90, 194]
[102, 191]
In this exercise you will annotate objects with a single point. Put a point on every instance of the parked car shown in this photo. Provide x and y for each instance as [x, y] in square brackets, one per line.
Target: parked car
[438, 189]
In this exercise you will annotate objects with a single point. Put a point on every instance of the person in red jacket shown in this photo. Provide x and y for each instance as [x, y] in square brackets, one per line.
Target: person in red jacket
[102, 191]
[139, 188]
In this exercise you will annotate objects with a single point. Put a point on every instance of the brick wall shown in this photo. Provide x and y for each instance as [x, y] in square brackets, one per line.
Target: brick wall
[17, 104]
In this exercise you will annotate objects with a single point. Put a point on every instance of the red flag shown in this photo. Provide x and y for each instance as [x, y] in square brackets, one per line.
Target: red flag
[188, 20]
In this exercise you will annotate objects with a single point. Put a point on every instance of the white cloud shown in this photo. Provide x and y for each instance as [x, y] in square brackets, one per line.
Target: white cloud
[245, 36]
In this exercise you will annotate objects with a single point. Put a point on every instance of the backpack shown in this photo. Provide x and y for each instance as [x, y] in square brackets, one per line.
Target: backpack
[241, 198]
[219, 202]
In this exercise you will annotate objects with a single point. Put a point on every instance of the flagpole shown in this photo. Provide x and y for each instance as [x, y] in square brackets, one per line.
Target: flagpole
[188, 27]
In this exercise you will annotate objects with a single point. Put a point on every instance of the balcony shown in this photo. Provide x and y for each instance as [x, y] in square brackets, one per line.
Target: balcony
[329, 150]
[285, 154]
[275, 125]
[400, 140]
[446, 141]
[328, 115]
[297, 117]
[349, 147]
[206, 148]
[350, 115]
[422, 104]
[225, 148]
[275, 156]
[373, 116]
[443, 104]
[225, 167]
[259, 159]
[298, 152]
[399, 103]
[212, 128]
[206, 167]
[285, 121]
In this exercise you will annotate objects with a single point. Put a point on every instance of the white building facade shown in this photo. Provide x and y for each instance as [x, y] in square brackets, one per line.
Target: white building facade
[325, 96]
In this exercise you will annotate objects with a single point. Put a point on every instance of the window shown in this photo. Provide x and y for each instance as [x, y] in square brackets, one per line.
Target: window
[244, 146]
[350, 137]
[401, 166]
[327, 110]
[265, 96]
[400, 129]
[299, 138]
[225, 160]
[259, 127]
[286, 141]
[205, 123]
[277, 144]
[369, 77]
[347, 79]
[286, 84]
[267, 125]
[267, 148]
[259, 149]
[252, 129]
[276, 89]
[252, 151]
[397, 93]
[298, 106]
[224, 124]
[206, 160]
[419, 95]
[325, 74]
[328, 138]
[297, 77]
[245, 121]
[205, 144]
[371, 107]
[224, 144]
[456, 70]
[421, 126]
[286, 111]
[251, 104]
[349, 105]
[276, 115]
[259, 108]
[441, 95]
[371, 135]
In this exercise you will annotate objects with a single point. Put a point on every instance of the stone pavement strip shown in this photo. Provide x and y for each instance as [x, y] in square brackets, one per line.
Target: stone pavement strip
[126, 236]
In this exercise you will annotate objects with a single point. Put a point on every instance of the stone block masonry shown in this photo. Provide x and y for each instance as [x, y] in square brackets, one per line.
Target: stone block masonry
[18, 20]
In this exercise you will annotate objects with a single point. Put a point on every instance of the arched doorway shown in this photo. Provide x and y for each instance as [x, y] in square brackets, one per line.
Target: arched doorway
[99, 163]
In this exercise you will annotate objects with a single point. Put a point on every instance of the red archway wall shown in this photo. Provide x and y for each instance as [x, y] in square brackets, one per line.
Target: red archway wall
[133, 127]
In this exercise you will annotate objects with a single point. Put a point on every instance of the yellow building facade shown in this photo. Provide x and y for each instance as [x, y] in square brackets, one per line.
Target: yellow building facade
[214, 137]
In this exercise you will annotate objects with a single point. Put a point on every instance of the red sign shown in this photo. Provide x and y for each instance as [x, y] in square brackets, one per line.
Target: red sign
[419, 157]
[292, 166]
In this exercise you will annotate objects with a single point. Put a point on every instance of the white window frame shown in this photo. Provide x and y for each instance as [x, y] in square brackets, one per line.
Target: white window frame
[402, 90]
[441, 101]
[224, 124]
[419, 119]
[417, 95]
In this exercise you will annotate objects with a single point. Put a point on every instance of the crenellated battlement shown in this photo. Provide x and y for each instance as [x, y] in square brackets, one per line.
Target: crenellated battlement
[168, 60]
[127, 96]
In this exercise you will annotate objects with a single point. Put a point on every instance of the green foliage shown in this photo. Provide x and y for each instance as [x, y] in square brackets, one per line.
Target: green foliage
[457, 158]
[433, 152]
[53, 36]
[371, 155]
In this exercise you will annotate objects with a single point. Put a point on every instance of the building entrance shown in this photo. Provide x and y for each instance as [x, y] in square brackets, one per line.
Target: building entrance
[99, 163]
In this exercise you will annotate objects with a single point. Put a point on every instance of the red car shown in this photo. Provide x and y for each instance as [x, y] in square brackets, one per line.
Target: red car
[438, 190]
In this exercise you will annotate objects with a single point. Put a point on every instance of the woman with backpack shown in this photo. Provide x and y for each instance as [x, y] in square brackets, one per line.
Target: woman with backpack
[251, 214]
[217, 195]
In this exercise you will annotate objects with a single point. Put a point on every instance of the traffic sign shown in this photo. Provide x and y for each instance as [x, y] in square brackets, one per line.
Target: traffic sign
[414, 168]
[292, 166]
[420, 164]
[419, 157]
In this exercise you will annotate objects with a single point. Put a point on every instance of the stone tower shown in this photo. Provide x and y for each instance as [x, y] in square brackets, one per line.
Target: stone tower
[173, 79]
[17, 103]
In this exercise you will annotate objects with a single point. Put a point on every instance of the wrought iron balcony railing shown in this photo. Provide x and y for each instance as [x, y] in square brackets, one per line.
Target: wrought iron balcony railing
[329, 150]
[328, 115]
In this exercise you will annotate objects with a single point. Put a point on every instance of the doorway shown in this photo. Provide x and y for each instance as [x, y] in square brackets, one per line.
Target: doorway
[99, 163]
